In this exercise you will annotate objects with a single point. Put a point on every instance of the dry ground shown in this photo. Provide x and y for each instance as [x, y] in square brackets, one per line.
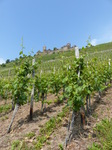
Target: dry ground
[82, 138]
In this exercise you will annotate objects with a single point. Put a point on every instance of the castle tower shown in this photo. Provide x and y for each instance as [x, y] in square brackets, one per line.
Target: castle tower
[44, 48]
[68, 45]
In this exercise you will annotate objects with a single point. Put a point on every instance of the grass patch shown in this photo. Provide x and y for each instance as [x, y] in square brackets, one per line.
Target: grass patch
[103, 132]
[4, 118]
[61, 147]
[15, 145]
[95, 115]
[20, 145]
[5, 108]
[49, 127]
[30, 135]
[48, 102]
[58, 100]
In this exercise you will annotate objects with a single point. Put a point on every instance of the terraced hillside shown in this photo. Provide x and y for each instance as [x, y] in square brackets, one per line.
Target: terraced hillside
[49, 61]
[58, 103]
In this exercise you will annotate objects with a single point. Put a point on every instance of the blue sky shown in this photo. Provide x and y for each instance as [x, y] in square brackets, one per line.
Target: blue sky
[53, 23]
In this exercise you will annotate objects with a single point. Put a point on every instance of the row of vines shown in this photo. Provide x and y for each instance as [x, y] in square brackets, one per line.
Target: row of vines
[76, 81]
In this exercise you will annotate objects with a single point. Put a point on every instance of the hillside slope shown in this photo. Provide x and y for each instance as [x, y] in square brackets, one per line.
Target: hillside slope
[54, 59]
[23, 128]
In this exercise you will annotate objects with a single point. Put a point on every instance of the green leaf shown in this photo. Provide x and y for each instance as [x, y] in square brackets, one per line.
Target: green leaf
[21, 52]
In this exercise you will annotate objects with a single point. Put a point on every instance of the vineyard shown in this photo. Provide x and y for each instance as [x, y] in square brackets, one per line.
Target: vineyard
[46, 104]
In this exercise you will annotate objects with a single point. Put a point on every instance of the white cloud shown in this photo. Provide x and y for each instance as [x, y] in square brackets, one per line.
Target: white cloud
[2, 61]
[94, 42]
[105, 37]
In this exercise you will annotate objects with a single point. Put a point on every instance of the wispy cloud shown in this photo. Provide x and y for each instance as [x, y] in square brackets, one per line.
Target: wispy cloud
[2, 61]
[93, 42]
[105, 37]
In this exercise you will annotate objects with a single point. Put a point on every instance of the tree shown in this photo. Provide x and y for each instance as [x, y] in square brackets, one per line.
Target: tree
[3, 65]
[55, 49]
[7, 61]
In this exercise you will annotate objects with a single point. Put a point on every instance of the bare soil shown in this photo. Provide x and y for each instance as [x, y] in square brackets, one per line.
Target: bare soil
[82, 138]
[21, 125]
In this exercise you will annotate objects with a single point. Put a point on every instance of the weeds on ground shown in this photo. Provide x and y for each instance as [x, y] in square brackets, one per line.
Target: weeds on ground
[48, 102]
[5, 108]
[30, 135]
[49, 127]
[103, 132]
[4, 118]
[61, 147]
[15, 145]
[20, 145]
[44, 134]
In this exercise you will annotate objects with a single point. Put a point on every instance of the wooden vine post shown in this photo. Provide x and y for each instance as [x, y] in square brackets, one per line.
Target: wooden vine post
[82, 110]
[88, 100]
[32, 93]
[9, 73]
[77, 56]
[71, 125]
[13, 116]
[109, 68]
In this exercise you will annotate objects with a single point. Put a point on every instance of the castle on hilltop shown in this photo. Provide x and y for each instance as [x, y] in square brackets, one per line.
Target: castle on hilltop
[63, 48]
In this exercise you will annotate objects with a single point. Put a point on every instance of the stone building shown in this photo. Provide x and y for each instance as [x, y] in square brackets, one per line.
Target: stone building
[66, 47]
[63, 48]
[49, 51]
[39, 52]
[44, 49]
